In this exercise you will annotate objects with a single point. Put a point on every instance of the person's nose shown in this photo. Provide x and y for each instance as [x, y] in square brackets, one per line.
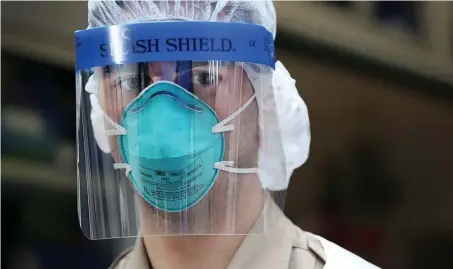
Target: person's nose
[162, 71]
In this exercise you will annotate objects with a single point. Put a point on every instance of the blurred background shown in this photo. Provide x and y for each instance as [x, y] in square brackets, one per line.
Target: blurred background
[378, 81]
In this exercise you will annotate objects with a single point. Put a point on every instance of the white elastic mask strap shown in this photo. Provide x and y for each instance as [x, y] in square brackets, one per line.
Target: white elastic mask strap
[122, 166]
[119, 130]
[227, 167]
[221, 127]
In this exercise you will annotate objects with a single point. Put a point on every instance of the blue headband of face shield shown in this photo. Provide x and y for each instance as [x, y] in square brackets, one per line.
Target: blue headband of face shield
[174, 41]
[174, 159]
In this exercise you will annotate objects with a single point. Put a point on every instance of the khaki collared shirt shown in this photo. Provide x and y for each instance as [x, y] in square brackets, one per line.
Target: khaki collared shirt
[285, 246]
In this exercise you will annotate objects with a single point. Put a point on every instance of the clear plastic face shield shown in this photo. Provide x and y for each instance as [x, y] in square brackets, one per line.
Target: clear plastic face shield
[178, 133]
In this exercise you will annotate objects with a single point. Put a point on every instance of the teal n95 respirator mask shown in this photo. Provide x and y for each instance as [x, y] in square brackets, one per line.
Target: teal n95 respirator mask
[173, 146]
[183, 134]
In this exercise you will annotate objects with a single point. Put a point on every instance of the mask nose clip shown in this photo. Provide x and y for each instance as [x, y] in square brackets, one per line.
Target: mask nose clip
[171, 95]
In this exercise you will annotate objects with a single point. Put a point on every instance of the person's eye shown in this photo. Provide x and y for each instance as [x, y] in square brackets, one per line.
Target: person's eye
[206, 78]
[129, 83]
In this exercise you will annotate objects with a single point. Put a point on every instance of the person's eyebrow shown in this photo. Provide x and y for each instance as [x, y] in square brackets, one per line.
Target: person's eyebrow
[119, 69]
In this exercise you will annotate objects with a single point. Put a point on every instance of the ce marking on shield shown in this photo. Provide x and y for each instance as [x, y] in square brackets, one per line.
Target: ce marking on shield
[252, 43]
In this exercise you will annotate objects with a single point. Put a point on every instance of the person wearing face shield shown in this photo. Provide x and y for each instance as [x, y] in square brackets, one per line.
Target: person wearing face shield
[188, 132]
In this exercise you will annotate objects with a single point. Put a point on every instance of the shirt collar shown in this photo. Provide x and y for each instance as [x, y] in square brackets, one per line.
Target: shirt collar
[271, 249]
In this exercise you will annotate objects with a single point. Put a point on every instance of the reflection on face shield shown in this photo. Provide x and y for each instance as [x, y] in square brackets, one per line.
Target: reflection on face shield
[172, 142]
